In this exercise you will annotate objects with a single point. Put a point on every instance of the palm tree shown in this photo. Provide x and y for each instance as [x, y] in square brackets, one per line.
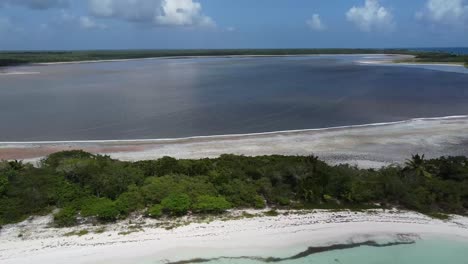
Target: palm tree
[417, 166]
[16, 165]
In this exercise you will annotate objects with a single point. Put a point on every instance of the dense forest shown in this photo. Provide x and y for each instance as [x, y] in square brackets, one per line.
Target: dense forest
[25, 57]
[97, 188]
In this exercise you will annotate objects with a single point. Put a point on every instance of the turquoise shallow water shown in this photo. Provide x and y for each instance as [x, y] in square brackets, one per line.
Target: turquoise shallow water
[423, 251]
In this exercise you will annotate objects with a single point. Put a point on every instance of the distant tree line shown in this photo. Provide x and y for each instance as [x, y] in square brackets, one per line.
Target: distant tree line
[442, 57]
[88, 187]
[23, 57]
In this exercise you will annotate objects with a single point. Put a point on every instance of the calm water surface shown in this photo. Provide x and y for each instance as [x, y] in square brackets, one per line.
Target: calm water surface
[422, 252]
[169, 98]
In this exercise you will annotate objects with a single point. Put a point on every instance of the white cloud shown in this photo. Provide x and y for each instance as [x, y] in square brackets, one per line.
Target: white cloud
[88, 23]
[371, 16]
[156, 12]
[36, 4]
[445, 11]
[315, 23]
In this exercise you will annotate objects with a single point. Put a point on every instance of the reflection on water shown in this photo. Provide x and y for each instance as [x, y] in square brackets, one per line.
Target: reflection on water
[191, 97]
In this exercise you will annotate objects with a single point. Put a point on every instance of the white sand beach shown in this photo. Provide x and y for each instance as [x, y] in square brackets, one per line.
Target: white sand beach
[34, 242]
[367, 146]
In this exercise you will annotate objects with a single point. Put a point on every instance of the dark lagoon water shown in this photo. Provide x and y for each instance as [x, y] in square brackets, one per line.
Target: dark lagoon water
[168, 98]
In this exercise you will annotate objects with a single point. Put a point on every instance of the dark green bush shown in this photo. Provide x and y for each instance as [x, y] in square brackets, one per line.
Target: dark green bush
[3, 183]
[65, 217]
[103, 209]
[156, 211]
[130, 201]
[259, 202]
[75, 179]
[211, 204]
[176, 204]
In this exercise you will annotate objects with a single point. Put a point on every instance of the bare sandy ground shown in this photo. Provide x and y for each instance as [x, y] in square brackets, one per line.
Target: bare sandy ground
[34, 242]
[368, 146]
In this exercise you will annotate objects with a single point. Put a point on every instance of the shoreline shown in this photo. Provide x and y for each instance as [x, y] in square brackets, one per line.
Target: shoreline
[411, 63]
[399, 60]
[272, 235]
[367, 146]
[211, 56]
[370, 59]
[228, 136]
[400, 56]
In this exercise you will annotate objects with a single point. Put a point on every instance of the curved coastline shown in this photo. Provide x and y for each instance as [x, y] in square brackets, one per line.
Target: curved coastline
[219, 56]
[371, 59]
[366, 146]
[281, 236]
[228, 136]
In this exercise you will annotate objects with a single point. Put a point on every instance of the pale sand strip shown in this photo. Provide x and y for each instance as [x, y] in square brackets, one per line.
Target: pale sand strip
[394, 56]
[264, 236]
[18, 73]
[371, 145]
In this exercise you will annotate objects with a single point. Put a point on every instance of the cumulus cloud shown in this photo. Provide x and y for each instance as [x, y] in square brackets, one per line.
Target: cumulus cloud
[156, 12]
[445, 11]
[36, 4]
[315, 23]
[371, 16]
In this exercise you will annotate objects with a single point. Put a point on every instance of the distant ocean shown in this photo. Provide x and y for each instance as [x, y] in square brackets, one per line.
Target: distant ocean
[458, 51]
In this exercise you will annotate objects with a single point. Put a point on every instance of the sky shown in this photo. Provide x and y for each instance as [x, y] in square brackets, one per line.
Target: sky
[192, 24]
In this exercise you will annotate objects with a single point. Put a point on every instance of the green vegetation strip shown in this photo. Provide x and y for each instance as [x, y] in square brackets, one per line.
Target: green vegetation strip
[97, 189]
[26, 57]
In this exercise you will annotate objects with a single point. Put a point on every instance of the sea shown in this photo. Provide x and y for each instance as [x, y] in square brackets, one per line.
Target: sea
[429, 251]
[186, 97]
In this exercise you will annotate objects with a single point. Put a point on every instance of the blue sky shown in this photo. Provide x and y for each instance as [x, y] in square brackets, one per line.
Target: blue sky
[163, 24]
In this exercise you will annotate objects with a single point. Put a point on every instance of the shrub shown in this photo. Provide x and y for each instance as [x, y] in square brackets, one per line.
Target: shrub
[176, 204]
[259, 202]
[155, 211]
[54, 160]
[211, 204]
[65, 217]
[158, 188]
[271, 213]
[3, 183]
[283, 201]
[104, 209]
[130, 201]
